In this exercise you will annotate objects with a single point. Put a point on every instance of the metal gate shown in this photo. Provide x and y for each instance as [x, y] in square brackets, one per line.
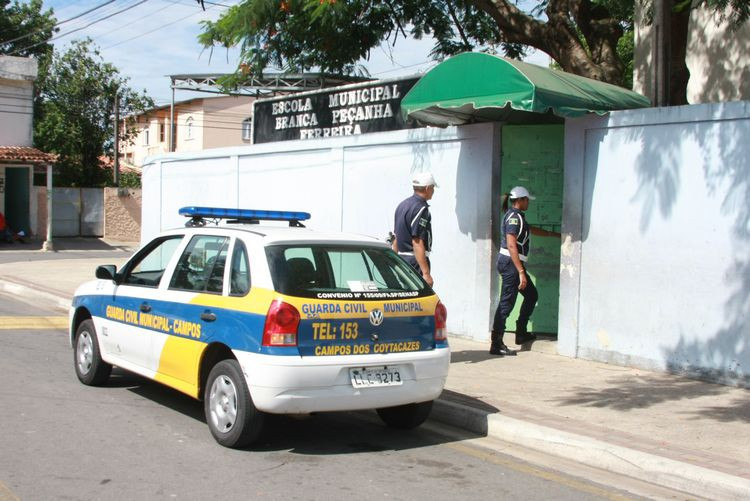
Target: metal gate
[78, 212]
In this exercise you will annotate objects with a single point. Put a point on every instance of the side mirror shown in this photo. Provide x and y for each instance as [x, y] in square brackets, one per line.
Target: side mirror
[107, 272]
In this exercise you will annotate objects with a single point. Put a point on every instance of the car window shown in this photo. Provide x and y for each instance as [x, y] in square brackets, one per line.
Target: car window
[240, 272]
[201, 266]
[148, 266]
[342, 271]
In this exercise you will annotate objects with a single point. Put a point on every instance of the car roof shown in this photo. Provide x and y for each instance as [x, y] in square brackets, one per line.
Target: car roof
[285, 234]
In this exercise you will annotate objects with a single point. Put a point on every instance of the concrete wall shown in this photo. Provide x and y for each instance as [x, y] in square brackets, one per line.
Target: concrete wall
[353, 184]
[17, 75]
[122, 214]
[655, 267]
[718, 58]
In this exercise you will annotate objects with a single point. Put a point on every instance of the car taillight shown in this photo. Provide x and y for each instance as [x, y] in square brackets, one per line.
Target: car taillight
[282, 322]
[441, 315]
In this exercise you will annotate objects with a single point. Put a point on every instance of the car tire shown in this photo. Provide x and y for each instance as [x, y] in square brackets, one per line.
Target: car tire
[230, 413]
[406, 416]
[87, 359]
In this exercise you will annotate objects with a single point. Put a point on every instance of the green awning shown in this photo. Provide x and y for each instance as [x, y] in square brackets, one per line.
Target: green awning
[475, 87]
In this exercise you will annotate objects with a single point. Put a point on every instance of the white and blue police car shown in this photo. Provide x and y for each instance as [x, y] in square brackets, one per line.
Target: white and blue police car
[266, 318]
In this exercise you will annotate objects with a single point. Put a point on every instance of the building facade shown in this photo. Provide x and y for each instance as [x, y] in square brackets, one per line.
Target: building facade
[18, 158]
[199, 124]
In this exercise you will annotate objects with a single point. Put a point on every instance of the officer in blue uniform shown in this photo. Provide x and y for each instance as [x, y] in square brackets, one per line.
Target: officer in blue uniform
[413, 225]
[511, 264]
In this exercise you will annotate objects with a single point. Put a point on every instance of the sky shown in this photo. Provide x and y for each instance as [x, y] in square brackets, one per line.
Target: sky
[153, 39]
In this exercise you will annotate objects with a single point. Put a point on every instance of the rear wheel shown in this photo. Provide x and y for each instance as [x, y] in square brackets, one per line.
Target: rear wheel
[90, 368]
[406, 416]
[230, 413]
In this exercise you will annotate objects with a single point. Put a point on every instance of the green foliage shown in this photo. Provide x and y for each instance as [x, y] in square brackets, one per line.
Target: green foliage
[25, 30]
[76, 113]
[130, 180]
[626, 52]
[330, 35]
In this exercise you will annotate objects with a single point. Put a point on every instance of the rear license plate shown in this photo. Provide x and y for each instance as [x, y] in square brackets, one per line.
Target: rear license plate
[368, 377]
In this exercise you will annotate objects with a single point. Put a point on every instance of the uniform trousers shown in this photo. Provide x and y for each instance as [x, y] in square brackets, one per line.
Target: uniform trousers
[509, 293]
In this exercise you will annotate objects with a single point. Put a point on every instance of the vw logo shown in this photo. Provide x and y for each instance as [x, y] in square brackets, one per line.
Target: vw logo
[376, 317]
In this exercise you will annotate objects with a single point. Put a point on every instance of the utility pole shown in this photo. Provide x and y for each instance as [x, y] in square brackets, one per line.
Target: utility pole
[116, 174]
[171, 123]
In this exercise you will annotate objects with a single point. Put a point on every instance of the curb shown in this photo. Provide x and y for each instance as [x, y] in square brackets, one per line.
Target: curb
[651, 468]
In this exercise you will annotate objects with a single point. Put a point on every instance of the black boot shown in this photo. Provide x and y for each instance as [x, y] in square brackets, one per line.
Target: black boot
[522, 335]
[498, 347]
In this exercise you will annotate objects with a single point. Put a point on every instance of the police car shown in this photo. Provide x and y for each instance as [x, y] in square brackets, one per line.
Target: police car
[266, 318]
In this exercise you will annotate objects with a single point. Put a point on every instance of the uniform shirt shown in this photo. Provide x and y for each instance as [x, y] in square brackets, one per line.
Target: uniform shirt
[413, 219]
[514, 222]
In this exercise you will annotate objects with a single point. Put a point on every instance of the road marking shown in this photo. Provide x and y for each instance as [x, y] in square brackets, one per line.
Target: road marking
[6, 494]
[537, 472]
[58, 322]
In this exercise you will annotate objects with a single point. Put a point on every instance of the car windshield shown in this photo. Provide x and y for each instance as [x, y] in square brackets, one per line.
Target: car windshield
[342, 272]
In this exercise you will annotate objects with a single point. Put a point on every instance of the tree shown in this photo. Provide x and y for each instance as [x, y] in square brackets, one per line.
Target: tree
[76, 113]
[25, 30]
[582, 36]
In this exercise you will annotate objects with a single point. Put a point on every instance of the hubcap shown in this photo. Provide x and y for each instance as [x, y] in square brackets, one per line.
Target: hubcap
[85, 352]
[223, 404]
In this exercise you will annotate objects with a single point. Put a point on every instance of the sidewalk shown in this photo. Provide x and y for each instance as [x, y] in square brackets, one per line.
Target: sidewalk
[672, 431]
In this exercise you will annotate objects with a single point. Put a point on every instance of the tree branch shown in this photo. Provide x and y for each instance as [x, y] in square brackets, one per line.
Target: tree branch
[458, 24]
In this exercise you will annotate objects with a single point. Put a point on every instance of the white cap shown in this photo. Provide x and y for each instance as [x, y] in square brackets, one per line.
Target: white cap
[423, 179]
[520, 192]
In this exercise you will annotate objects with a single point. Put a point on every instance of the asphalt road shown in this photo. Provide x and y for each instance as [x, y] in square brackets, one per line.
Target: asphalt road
[135, 439]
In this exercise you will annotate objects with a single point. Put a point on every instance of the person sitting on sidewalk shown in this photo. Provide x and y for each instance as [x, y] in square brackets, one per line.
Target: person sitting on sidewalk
[6, 234]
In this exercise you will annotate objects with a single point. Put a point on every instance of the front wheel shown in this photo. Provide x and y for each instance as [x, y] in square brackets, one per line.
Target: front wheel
[230, 413]
[406, 416]
[87, 359]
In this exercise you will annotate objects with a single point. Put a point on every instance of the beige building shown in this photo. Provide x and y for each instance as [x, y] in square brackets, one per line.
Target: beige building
[717, 57]
[200, 124]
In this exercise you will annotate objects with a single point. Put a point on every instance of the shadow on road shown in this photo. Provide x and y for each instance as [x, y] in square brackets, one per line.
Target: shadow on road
[326, 433]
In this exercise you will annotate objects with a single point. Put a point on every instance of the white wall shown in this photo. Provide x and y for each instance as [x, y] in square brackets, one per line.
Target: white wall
[353, 184]
[655, 265]
[17, 76]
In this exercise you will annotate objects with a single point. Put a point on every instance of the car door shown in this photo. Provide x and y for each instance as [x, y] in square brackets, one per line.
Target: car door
[199, 272]
[133, 310]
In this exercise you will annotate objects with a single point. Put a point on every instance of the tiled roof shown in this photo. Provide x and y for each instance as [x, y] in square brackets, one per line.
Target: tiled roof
[25, 154]
[109, 163]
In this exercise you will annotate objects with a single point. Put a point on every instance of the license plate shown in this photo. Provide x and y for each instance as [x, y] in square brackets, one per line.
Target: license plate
[368, 377]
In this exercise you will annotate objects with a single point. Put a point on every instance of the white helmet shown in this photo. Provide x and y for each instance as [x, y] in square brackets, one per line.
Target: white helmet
[520, 192]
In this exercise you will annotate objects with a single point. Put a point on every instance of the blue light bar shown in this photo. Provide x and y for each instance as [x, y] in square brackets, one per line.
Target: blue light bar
[265, 215]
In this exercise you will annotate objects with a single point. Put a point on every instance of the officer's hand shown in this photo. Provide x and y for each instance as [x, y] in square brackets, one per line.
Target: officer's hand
[428, 278]
[522, 283]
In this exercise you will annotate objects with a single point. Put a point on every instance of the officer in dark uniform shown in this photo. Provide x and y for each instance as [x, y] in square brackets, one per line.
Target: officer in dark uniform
[511, 264]
[413, 225]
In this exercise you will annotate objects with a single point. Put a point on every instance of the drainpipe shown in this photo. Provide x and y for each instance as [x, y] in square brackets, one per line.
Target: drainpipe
[48, 245]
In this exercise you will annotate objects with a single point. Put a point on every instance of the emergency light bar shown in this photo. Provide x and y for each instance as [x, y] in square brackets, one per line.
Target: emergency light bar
[197, 214]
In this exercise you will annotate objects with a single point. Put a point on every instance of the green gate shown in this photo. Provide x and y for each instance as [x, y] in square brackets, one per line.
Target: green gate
[532, 156]
[17, 198]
